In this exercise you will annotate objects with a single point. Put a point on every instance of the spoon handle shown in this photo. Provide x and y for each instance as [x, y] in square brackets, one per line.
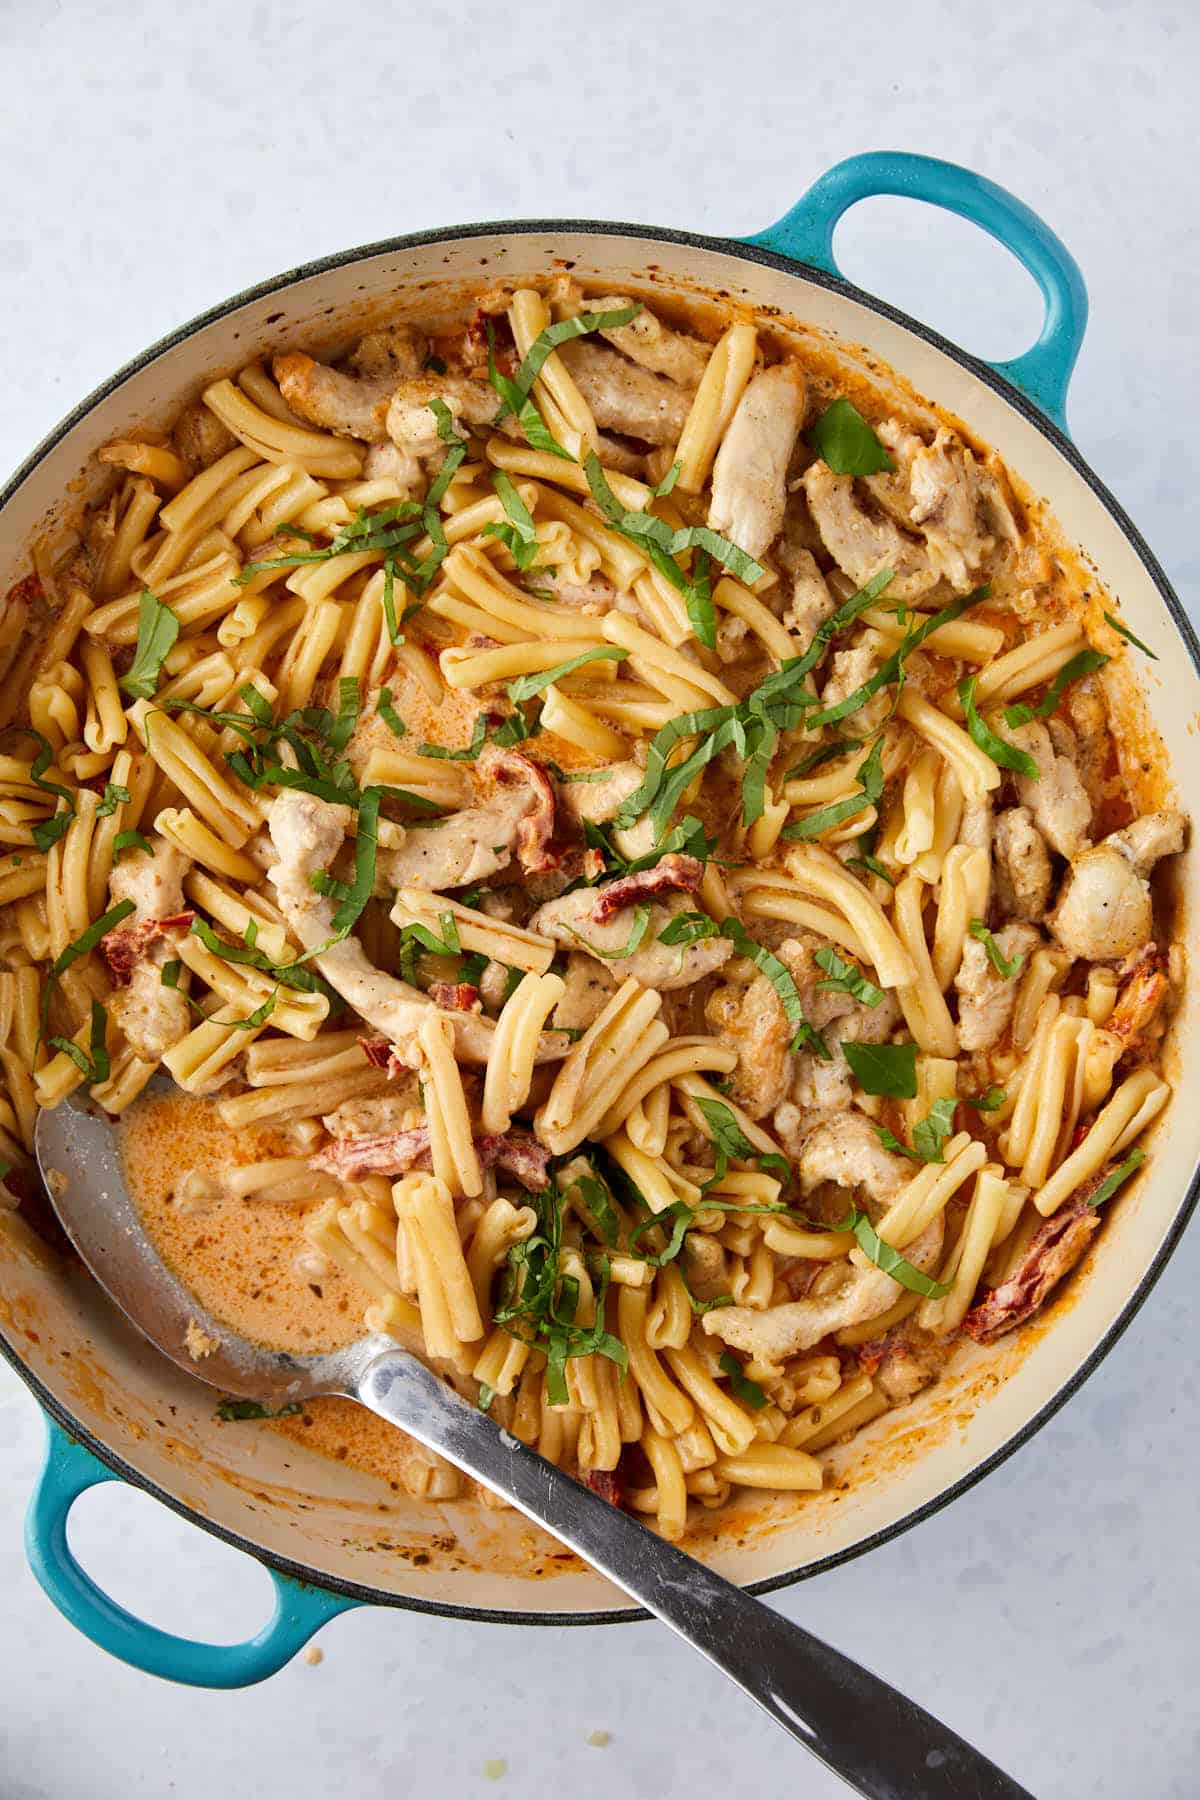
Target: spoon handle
[881, 1743]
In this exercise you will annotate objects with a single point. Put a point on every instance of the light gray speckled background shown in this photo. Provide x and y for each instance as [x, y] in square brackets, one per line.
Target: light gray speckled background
[156, 159]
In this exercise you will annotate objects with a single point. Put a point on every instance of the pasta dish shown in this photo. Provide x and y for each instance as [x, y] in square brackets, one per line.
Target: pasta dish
[617, 845]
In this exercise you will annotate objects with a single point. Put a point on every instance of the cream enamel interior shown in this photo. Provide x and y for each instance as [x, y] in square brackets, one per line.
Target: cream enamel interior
[342, 1525]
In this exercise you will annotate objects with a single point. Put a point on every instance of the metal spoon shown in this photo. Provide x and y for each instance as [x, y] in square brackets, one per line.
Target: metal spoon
[878, 1741]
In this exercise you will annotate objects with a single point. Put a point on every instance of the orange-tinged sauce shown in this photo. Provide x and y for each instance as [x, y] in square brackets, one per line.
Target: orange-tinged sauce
[239, 1256]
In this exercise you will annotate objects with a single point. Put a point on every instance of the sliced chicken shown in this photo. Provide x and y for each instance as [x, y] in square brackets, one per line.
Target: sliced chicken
[828, 1086]
[943, 492]
[150, 1016]
[848, 670]
[779, 1332]
[200, 438]
[862, 542]
[751, 1021]
[570, 921]
[1105, 910]
[307, 834]
[594, 596]
[624, 397]
[647, 341]
[985, 997]
[811, 602]
[517, 817]
[1057, 797]
[587, 989]
[976, 828]
[845, 1150]
[350, 405]
[598, 801]
[412, 424]
[749, 479]
[1022, 865]
[394, 351]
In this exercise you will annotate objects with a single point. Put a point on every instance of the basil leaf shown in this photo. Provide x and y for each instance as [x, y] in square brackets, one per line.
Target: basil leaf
[637, 931]
[450, 462]
[547, 341]
[93, 1063]
[1007, 756]
[131, 840]
[341, 729]
[520, 534]
[158, 629]
[845, 442]
[571, 775]
[846, 978]
[778, 974]
[699, 603]
[731, 1141]
[87, 940]
[1116, 1177]
[891, 1142]
[485, 1397]
[366, 844]
[668, 481]
[885, 1257]
[48, 831]
[886, 1069]
[468, 754]
[870, 783]
[598, 1207]
[526, 686]
[989, 1101]
[293, 975]
[688, 928]
[1002, 964]
[1126, 633]
[537, 433]
[873, 866]
[931, 1132]
[1084, 664]
[825, 753]
[171, 971]
[114, 796]
[740, 1385]
[659, 542]
[387, 712]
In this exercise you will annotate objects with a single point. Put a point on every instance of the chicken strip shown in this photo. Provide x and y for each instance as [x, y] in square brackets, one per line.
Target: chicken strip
[778, 1332]
[749, 479]
[350, 405]
[307, 834]
[623, 397]
[150, 1016]
[862, 543]
[985, 997]
[570, 920]
[1056, 797]
[647, 341]
[517, 817]
[1021, 865]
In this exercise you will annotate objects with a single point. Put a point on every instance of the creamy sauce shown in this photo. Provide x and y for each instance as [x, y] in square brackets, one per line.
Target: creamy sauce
[238, 1256]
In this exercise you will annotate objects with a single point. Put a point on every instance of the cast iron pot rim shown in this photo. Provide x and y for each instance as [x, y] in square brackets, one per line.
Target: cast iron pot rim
[983, 371]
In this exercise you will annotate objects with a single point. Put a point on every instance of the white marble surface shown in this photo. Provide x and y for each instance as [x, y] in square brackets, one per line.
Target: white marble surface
[157, 159]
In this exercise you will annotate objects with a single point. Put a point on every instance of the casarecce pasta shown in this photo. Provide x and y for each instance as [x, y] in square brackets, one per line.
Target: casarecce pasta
[616, 839]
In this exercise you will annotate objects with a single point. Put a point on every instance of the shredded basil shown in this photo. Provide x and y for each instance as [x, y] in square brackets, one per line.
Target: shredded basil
[889, 1259]
[637, 931]
[547, 341]
[1125, 632]
[230, 1410]
[740, 1385]
[131, 840]
[806, 1037]
[1005, 755]
[387, 712]
[114, 796]
[1003, 965]
[519, 533]
[1116, 1177]
[989, 1101]
[870, 784]
[48, 831]
[1085, 663]
[468, 753]
[845, 978]
[536, 432]
[526, 686]
[930, 1133]
[730, 1141]
[93, 1063]
[688, 928]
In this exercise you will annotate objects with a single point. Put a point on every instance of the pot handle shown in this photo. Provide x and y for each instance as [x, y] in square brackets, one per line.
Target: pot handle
[805, 233]
[68, 1471]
